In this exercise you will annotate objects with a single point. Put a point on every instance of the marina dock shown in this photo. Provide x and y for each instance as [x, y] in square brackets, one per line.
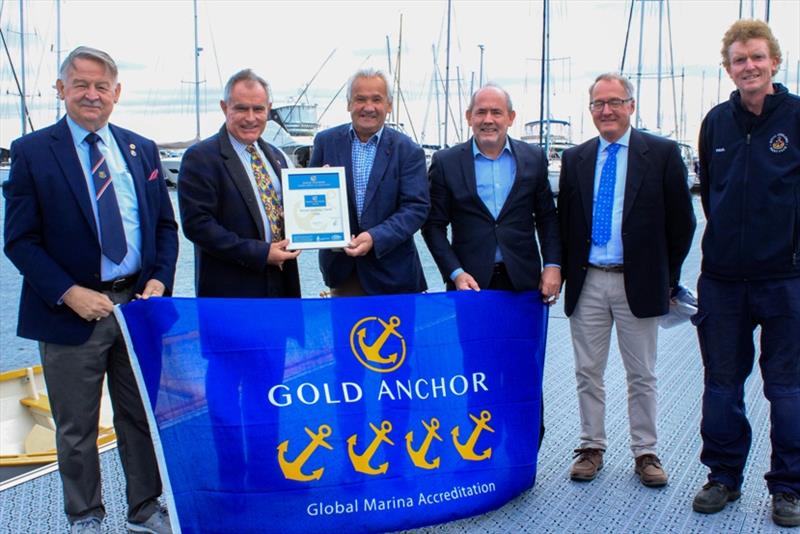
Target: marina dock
[615, 502]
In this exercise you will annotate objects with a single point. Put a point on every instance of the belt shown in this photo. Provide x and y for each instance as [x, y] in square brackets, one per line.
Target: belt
[618, 268]
[120, 284]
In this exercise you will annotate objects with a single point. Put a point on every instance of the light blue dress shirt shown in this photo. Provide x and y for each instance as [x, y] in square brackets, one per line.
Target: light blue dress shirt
[363, 156]
[611, 253]
[244, 156]
[124, 191]
[493, 179]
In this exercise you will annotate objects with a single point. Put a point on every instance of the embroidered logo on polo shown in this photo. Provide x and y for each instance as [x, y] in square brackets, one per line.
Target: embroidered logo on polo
[778, 143]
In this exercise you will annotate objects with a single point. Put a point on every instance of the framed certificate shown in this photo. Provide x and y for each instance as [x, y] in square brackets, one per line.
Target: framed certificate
[315, 208]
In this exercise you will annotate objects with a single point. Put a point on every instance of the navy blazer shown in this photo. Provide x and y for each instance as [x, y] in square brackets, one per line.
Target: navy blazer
[396, 204]
[657, 220]
[220, 214]
[476, 234]
[50, 230]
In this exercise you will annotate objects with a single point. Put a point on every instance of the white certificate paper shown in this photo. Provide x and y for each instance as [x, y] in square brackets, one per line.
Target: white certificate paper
[315, 208]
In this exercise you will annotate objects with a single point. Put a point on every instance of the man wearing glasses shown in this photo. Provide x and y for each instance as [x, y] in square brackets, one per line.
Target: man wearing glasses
[626, 224]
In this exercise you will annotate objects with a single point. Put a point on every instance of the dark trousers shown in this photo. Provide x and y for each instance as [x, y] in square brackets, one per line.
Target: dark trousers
[74, 377]
[727, 316]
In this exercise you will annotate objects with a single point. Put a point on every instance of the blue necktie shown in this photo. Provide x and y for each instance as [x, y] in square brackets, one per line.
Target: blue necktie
[604, 205]
[112, 234]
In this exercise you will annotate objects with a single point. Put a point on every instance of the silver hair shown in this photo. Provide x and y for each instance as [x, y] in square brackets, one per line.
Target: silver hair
[86, 52]
[614, 77]
[369, 73]
[509, 105]
[245, 75]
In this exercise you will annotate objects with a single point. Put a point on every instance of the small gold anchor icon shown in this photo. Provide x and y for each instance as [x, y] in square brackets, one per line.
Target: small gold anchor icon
[370, 353]
[373, 352]
[292, 470]
[361, 461]
[467, 450]
[418, 456]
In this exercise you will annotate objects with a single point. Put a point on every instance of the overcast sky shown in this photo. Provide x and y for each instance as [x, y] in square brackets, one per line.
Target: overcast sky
[287, 42]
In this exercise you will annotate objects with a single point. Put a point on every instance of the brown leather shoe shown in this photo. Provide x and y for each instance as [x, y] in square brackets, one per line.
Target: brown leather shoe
[587, 464]
[650, 472]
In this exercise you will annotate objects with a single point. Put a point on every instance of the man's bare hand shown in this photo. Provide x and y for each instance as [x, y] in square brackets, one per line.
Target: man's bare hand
[550, 284]
[153, 288]
[359, 245]
[466, 281]
[91, 305]
[278, 253]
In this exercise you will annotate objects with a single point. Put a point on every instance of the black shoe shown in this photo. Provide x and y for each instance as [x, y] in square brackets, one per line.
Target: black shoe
[786, 510]
[713, 498]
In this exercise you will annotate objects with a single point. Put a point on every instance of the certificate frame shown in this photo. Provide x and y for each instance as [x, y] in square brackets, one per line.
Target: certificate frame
[315, 208]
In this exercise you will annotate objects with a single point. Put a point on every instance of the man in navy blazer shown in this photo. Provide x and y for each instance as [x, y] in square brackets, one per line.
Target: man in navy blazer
[626, 226]
[222, 206]
[57, 234]
[494, 193]
[387, 193]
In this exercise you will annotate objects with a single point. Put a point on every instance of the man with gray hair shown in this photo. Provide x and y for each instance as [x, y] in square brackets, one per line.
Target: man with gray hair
[626, 226]
[89, 224]
[387, 192]
[231, 205]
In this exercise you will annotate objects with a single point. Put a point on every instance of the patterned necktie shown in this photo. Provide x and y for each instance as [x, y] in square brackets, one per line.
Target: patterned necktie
[604, 204]
[112, 233]
[268, 194]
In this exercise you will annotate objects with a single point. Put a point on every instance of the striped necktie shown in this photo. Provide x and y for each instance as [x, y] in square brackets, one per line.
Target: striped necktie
[268, 194]
[112, 233]
[604, 204]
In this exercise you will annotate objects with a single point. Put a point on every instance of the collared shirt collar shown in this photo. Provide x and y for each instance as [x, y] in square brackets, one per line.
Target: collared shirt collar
[238, 146]
[79, 133]
[376, 136]
[625, 140]
[476, 150]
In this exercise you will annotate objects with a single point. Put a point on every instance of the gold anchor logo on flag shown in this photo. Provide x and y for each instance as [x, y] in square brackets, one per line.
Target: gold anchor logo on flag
[383, 354]
[467, 450]
[361, 461]
[418, 455]
[293, 470]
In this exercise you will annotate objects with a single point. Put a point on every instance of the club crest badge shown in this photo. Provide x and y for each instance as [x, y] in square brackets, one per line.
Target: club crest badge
[778, 143]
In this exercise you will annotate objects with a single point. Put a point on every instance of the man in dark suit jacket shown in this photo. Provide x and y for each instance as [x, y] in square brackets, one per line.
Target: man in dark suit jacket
[626, 227]
[89, 224]
[494, 192]
[387, 193]
[227, 207]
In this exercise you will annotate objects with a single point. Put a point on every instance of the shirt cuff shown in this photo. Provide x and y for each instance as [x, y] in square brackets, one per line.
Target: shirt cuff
[455, 274]
[557, 266]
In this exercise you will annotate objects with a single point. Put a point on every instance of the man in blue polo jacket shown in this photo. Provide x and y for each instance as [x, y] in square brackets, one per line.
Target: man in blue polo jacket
[750, 186]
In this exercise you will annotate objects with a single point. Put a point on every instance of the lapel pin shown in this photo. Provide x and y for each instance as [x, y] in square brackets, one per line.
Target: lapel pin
[133, 149]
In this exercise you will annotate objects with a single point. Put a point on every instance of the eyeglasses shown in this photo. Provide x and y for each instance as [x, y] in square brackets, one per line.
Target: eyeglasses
[614, 103]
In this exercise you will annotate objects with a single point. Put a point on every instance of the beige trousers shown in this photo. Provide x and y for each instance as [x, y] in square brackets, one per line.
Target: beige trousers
[603, 303]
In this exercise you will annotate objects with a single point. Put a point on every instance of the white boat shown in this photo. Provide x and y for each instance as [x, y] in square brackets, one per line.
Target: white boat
[27, 430]
[557, 135]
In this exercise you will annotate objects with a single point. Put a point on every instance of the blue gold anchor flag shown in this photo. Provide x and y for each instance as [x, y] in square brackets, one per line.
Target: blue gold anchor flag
[363, 414]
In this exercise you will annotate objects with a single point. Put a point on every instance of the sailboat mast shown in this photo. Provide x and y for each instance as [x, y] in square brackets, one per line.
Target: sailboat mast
[22, 92]
[639, 67]
[447, 77]
[58, 54]
[658, 90]
[543, 72]
[197, 51]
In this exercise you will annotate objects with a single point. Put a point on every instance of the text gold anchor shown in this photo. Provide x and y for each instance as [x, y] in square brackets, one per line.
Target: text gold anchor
[467, 450]
[418, 456]
[361, 461]
[292, 470]
[373, 352]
